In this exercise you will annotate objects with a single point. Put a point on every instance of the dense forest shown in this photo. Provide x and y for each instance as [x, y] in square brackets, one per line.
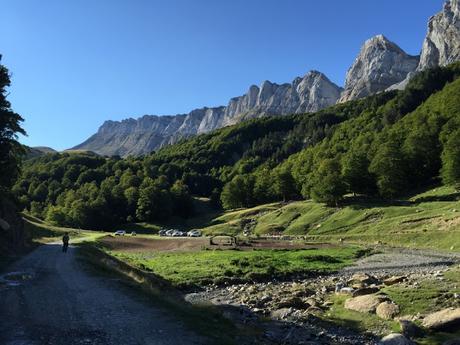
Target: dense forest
[381, 146]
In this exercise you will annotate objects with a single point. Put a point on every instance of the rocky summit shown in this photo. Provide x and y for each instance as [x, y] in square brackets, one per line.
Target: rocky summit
[310, 93]
[380, 64]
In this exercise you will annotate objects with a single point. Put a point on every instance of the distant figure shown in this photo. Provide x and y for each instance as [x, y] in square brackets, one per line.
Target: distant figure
[65, 242]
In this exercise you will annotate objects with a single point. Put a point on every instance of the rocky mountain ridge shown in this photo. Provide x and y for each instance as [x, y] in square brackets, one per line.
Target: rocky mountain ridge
[310, 93]
[380, 65]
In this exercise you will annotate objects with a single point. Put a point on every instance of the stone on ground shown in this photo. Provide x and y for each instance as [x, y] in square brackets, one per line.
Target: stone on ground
[365, 291]
[387, 310]
[362, 279]
[394, 280]
[395, 339]
[364, 304]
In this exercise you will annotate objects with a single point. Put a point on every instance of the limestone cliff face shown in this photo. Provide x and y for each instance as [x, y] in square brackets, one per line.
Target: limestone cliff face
[380, 64]
[442, 43]
[140, 136]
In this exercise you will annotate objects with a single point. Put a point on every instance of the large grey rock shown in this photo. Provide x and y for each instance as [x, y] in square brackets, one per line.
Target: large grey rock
[442, 43]
[379, 65]
[387, 310]
[310, 93]
[395, 339]
[364, 304]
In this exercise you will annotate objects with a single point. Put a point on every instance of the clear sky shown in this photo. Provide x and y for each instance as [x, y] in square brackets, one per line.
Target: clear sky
[77, 63]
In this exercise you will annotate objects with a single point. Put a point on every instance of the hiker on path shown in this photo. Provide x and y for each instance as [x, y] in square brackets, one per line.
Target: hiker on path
[65, 242]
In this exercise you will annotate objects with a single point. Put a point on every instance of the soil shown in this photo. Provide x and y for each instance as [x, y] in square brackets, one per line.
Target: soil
[142, 244]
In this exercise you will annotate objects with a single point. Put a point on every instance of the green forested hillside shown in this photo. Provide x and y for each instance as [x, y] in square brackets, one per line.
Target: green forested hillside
[381, 146]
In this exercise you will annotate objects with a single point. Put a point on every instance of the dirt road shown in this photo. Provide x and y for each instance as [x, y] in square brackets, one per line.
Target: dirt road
[49, 298]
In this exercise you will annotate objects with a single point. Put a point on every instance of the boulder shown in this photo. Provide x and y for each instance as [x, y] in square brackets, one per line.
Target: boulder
[364, 304]
[387, 310]
[362, 278]
[395, 339]
[281, 313]
[346, 291]
[444, 319]
[293, 302]
[394, 280]
[365, 291]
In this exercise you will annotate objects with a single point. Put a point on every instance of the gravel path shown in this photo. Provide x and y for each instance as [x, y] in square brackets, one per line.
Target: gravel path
[403, 261]
[48, 298]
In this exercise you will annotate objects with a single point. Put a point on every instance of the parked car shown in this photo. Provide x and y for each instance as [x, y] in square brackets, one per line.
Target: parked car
[170, 232]
[133, 233]
[120, 233]
[177, 233]
[162, 232]
[194, 233]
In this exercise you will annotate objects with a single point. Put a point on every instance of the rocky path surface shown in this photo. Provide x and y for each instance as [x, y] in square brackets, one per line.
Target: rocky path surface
[49, 298]
[402, 261]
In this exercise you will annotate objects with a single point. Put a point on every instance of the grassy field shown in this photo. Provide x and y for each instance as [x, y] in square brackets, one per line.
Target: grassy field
[430, 219]
[186, 269]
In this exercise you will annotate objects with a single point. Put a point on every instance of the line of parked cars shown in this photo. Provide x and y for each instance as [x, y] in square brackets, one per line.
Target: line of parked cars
[123, 233]
[178, 233]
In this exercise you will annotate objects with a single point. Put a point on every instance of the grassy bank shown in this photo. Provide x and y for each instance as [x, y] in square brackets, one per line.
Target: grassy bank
[185, 269]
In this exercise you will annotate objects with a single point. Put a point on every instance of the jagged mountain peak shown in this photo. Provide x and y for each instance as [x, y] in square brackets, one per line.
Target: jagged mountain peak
[379, 64]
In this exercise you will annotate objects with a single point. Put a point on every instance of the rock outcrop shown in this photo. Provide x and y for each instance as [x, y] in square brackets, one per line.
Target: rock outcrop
[140, 136]
[442, 43]
[380, 64]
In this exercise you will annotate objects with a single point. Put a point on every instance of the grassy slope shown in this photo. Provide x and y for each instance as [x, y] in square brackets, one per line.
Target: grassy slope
[427, 220]
[40, 232]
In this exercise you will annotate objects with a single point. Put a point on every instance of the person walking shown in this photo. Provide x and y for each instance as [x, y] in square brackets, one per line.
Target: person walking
[65, 242]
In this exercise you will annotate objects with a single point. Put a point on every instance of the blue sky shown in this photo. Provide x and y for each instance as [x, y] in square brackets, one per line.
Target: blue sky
[77, 63]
